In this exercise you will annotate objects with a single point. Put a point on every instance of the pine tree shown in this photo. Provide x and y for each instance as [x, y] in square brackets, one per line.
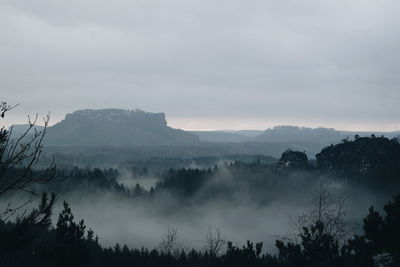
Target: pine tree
[70, 242]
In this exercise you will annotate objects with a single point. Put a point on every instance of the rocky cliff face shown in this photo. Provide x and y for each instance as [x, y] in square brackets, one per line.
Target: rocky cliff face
[115, 127]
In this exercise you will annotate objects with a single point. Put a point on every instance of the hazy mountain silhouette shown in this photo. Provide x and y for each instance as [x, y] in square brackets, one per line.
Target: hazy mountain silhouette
[115, 127]
[278, 134]
[134, 135]
[300, 134]
[228, 136]
[18, 129]
[324, 136]
[221, 136]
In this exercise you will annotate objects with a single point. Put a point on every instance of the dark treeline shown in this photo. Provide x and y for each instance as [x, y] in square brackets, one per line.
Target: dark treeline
[32, 241]
[371, 162]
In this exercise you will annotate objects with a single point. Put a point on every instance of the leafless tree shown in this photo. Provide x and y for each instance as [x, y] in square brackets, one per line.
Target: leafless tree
[4, 107]
[329, 210]
[214, 242]
[18, 157]
[169, 245]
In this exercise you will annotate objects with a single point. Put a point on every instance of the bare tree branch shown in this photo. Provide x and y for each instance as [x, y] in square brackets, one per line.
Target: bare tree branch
[18, 158]
[330, 211]
[214, 242]
[169, 245]
[4, 107]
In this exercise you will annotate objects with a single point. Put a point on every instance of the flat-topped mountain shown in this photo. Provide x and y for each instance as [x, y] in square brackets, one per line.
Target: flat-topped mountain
[115, 127]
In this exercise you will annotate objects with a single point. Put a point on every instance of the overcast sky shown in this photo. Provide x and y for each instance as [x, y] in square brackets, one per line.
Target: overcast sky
[219, 64]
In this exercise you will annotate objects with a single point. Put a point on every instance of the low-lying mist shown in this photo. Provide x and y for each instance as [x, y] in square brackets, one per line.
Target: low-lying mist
[240, 211]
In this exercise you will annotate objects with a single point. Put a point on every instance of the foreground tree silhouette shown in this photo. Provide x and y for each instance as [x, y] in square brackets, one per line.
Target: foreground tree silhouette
[18, 157]
[169, 244]
[66, 245]
[26, 228]
[382, 233]
[317, 248]
[214, 243]
[320, 233]
[70, 239]
[329, 210]
[249, 255]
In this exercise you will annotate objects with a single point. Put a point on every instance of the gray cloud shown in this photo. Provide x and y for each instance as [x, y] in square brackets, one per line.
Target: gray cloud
[328, 63]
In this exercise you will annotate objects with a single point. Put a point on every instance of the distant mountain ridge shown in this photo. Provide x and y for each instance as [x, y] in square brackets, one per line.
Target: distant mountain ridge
[285, 134]
[301, 134]
[138, 128]
[222, 136]
[115, 127]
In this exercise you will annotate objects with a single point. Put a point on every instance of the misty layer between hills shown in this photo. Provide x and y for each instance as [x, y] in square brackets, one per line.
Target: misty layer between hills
[241, 215]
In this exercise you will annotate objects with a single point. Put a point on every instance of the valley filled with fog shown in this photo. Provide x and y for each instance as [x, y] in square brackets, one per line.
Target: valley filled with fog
[240, 216]
[142, 187]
